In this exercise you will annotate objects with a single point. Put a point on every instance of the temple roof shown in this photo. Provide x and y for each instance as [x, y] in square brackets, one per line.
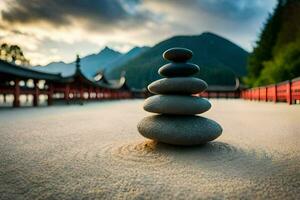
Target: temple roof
[115, 84]
[225, 88]
[22, 72]
[11, 70]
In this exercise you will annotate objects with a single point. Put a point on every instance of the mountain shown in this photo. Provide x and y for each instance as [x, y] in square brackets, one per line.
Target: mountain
[96, 62]
[106, 59]
[121, 60]
[220, 60]
[90, 64]
[57, 67]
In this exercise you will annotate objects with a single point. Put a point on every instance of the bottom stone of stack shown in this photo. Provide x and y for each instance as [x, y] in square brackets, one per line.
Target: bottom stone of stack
[179, 130]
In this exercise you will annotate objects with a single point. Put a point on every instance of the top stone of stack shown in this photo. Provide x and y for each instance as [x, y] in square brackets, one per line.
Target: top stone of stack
[178, 55]
[179, 67]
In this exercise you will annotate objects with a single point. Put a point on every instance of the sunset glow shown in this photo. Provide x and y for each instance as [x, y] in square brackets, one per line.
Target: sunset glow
[55, 30]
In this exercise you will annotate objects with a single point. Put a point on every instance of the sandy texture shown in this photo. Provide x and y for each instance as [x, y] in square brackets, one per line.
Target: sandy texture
[95, 151]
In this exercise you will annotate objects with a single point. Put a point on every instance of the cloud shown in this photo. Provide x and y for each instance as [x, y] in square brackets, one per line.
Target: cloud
[64, 12]
[86, 20]
[238, 10]
[240, 21]
[85, 26]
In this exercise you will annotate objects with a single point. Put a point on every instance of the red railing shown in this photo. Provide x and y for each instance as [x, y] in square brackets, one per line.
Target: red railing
[287, 91]
[295, 90]
[218, 94]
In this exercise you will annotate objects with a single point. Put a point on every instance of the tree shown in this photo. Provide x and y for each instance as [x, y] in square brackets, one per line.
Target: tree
[262, 52]
[285, 66]
[274, 57]
[13, 54]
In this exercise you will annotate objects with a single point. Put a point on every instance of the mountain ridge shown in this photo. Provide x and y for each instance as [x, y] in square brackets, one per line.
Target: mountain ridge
[216, 56]
[90, 64]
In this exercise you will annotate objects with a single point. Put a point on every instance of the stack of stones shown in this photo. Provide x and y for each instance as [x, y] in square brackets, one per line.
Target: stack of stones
[176, 121]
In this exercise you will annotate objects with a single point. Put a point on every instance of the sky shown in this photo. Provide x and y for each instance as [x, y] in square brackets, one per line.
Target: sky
[57, 30]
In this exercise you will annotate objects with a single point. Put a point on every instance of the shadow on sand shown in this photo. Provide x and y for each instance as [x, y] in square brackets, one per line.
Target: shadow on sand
[216, 156]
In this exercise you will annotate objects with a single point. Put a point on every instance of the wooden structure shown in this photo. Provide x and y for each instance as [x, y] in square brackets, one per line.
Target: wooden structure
[228, 92]
[17, 81]
[287, 91]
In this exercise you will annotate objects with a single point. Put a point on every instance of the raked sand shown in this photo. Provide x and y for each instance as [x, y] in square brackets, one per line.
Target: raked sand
[95, 151]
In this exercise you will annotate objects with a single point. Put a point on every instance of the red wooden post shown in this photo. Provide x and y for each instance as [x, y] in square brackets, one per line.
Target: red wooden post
[89, 92]
[288, 93]
[295, 90]
[67, 93]
[266, 94]
[81, 95]
[97, 93]
[16, 102]
[103, 91]
[275, 93]
[108, 94]
[36, 93]
[102, 94]
[250, 94]
[94, 92]
[50, 94]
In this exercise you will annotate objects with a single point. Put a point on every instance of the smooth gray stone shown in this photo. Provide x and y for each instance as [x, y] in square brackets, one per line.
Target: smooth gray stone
[179, 130]
[178, 85]
[178, 54]
[176, 104]
[178, 69]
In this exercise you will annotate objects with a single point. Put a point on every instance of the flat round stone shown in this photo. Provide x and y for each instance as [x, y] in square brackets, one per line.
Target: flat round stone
[178, 54]
[179, 130]
[176, 104]
[178, 85]
[178, 69]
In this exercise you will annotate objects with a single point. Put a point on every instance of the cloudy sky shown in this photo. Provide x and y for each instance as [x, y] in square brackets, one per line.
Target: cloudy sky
[53, 30]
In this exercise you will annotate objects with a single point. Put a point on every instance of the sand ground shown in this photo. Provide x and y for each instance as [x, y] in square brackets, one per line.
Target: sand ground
[94, 151]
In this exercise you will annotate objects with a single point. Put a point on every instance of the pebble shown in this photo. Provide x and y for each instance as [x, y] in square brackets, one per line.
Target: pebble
[178, 54]
[176, 104]
[178, 85]
[178, 69]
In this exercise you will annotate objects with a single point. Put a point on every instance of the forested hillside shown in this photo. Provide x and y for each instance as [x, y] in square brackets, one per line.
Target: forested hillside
[276, 56]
